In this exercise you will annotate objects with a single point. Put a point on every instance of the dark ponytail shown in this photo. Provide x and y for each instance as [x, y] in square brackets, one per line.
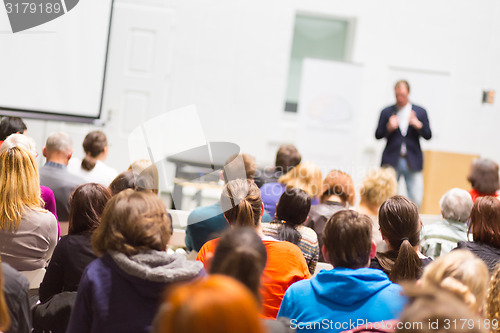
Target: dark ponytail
[291, 211]
[241, 255]
[94, 144]
[400, 225]
[408, 265]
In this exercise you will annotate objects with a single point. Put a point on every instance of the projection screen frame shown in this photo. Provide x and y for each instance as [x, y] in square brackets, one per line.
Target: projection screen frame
[67, 117]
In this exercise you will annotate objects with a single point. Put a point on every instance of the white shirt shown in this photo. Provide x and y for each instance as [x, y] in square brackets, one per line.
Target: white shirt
[101, 173]
[404, 118]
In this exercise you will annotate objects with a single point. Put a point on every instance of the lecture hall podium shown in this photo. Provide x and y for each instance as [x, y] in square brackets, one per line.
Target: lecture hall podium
[443, 171]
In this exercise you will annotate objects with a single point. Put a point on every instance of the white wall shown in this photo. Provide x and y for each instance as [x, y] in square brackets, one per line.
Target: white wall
[230, 58]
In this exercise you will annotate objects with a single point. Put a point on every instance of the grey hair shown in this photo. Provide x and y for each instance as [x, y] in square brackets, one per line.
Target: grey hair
[456, 205]
[21, 141]
[59, 141]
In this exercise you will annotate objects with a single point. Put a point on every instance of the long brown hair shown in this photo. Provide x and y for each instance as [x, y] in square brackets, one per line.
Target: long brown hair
[87, 204]
[241, 203]
[400, 226]
[132, 221]
[485, 221]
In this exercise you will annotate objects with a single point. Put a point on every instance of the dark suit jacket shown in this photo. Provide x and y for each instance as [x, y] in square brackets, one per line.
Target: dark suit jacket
[395, 139]
[62, 183]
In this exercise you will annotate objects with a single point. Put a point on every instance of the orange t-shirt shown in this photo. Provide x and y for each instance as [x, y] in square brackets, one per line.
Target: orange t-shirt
[285, 266]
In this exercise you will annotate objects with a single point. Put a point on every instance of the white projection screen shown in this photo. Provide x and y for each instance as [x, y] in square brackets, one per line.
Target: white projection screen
[56, 70]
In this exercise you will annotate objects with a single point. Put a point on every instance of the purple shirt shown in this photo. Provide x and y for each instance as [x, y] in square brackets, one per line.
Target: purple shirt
[50, 204]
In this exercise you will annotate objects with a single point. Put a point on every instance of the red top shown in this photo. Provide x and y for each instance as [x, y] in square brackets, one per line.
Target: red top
[475, 194]
[285, 266]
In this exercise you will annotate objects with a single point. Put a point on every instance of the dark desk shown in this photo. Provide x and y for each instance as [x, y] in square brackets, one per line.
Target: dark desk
[193, 164]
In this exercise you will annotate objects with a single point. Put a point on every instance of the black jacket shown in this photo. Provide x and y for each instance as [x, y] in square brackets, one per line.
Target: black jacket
[489, 254]
[395, 139]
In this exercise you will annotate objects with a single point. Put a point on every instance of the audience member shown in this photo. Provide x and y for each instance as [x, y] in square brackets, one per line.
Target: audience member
[493, 302]
[92, 168]
[139, 166]
[206, 223]
[217, 304]
[400, 226]
[432, 310]
[242, 256]
[337, 194]
[11, 125]
[484, 178]
[441, 237]
[54, 174]
[121, 290]
[485, 228]
[242, 206]
[461, 273]
[28, 144]
[28, 233]
[378, 186]
[291, 212]
[306, 176]
[72, 254]
[148, 180]
[351, 291]
[287, 158]
[74, 251]
[15, 288]
[123, 181]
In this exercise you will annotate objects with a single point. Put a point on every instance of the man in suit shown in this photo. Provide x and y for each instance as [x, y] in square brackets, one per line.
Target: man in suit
[402, 125]
[54, 174]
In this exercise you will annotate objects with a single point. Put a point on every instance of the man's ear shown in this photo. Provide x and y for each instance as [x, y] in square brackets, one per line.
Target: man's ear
[326, 257]
[262, 210]
[44, 152]
[373, 250]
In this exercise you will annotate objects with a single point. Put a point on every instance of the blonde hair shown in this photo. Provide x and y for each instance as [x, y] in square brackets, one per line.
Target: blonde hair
[20, 186]
[306, 176]
[378, 186]
[461, 273]
[493, 300]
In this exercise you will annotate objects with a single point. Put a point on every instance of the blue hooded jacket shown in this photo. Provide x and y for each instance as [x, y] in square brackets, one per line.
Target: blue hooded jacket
[341, 299]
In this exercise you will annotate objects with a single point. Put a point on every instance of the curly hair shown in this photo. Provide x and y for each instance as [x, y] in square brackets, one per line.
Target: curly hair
[461, 273]
[493, 301]
[378, 186]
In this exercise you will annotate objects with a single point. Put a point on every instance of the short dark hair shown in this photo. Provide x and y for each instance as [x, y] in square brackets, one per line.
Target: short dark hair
[287, 158]
[348, 237]
[241, 254]
[87, 203]
[483, 176]
[131, 222]
[11, 125]
[402, 82]
[485, 221]
[122, 182]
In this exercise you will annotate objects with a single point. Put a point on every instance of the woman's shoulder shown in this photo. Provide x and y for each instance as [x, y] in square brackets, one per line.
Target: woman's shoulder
[308, 233]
